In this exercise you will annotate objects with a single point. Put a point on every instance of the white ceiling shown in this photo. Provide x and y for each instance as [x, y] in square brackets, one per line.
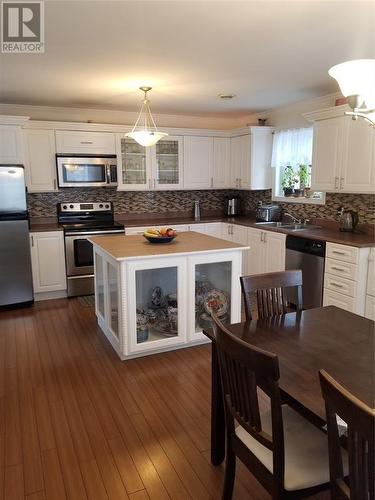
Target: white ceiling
[267, 53]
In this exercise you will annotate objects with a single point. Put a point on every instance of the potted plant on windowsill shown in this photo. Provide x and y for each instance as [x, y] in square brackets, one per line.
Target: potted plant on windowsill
[288, 180]
[304, 181]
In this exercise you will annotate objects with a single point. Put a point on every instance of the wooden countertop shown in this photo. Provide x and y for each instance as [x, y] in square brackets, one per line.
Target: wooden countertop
[327, 232]
[137, 247]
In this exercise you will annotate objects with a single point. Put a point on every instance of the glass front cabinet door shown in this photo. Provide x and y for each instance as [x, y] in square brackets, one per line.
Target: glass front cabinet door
[214, 287]
[154, 168]
[156, 304]
[108, 299]
[167, 163]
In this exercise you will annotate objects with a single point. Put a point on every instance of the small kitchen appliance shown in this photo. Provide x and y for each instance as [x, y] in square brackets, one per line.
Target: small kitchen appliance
[268, 213]
[348, 220]
[80, 221]
[233, 206]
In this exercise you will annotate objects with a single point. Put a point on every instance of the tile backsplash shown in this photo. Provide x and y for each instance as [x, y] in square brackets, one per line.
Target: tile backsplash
[137, 202]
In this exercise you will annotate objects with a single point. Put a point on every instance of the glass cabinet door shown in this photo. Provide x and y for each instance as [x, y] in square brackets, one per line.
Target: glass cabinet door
[213, 283]
[157, 313]
[113, 299]
[99, 285]
[134, 172]
[168, 161]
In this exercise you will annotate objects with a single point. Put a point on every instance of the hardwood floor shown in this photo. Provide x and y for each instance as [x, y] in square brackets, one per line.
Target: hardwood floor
[77, 423]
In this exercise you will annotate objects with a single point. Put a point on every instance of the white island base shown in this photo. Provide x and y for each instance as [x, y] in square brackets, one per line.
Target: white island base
[151, 298]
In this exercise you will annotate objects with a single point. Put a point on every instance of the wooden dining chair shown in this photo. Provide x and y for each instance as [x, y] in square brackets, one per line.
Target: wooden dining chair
[287, 454]
[265, 295]
[359, 484]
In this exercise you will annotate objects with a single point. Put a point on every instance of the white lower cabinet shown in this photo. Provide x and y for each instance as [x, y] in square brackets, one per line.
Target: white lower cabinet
[211, 228]
[48, 261]
[239, 234]
[331, 298]
[142, 229]
[370, 289]
[345, 277]
[267, 251]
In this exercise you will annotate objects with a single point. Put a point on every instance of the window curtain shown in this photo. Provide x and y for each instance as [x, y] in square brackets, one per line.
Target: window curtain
[292, 147]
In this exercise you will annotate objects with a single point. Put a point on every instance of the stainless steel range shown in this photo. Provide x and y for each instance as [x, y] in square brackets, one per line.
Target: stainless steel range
[81, 220]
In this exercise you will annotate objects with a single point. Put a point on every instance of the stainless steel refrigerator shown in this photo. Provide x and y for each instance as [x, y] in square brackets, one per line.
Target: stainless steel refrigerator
[16, 284]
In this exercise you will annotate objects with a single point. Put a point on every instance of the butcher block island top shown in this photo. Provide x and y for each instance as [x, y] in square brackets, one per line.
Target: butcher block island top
[121, 247]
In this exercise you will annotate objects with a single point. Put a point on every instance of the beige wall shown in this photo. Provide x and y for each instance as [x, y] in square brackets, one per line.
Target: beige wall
[291, 116]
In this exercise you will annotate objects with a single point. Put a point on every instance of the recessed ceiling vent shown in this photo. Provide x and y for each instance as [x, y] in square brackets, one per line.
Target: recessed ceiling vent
[226, 97]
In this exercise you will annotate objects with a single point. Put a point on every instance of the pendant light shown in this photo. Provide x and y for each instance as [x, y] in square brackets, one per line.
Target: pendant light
[357, 83]
[147, 133]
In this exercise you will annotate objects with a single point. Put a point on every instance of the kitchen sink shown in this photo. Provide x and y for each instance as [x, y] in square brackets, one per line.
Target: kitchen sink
[270, 224]
[290, 226]
[299, 227]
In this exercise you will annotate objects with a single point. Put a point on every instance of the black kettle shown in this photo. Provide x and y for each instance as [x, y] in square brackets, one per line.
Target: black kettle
[348, 220]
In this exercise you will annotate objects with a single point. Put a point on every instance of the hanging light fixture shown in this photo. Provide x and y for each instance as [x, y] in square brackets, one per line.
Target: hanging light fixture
[356, 80]
[147, 133]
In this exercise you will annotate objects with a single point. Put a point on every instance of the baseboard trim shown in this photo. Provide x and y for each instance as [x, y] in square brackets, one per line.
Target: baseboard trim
[58, 294]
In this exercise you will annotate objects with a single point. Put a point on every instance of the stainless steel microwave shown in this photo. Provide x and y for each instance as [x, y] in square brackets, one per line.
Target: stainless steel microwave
[86, 171]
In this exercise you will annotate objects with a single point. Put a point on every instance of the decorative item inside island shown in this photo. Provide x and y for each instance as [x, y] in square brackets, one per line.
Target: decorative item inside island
[153, 298]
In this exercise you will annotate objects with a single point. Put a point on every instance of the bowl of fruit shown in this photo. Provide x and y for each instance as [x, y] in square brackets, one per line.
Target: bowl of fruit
[162, 235]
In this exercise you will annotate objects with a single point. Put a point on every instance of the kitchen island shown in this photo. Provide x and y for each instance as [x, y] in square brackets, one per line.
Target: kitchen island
[152, 298]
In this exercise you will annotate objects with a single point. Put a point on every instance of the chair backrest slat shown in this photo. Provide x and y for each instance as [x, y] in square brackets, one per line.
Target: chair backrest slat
[360, 420]
[265, 296]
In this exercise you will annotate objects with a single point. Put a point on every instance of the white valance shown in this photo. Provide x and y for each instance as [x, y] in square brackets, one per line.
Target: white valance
[292, 147]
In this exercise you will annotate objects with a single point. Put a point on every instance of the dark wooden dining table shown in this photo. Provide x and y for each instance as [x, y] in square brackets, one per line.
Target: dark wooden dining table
[341, 342]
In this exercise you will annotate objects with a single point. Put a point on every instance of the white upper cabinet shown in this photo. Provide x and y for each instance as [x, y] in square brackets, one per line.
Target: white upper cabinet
[198, 160]
[328, 143]
[157, 167]
[251, 159]
[236, 161]
[358, 170]
[343, 153]
[78, 141]
[11, 150]
[40, 160]
[220, 176]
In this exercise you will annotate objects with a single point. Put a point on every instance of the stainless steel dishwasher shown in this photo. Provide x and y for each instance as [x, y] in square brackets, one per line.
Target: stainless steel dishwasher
[307, 255]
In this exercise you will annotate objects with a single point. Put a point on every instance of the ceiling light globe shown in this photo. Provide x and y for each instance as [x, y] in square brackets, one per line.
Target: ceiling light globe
[146, 137]
[356, 78]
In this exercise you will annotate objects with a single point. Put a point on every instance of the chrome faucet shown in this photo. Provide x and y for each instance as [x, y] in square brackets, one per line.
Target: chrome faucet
[197, 210]
[294, 219]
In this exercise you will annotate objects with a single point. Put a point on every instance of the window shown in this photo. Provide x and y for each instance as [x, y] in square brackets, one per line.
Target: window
[291, 163]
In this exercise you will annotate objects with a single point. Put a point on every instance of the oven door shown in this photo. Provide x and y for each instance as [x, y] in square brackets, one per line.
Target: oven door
[81, 172]
[79, 253]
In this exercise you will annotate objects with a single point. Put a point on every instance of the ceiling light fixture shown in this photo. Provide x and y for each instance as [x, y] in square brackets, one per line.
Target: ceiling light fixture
[147, 134]
[356, 80]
